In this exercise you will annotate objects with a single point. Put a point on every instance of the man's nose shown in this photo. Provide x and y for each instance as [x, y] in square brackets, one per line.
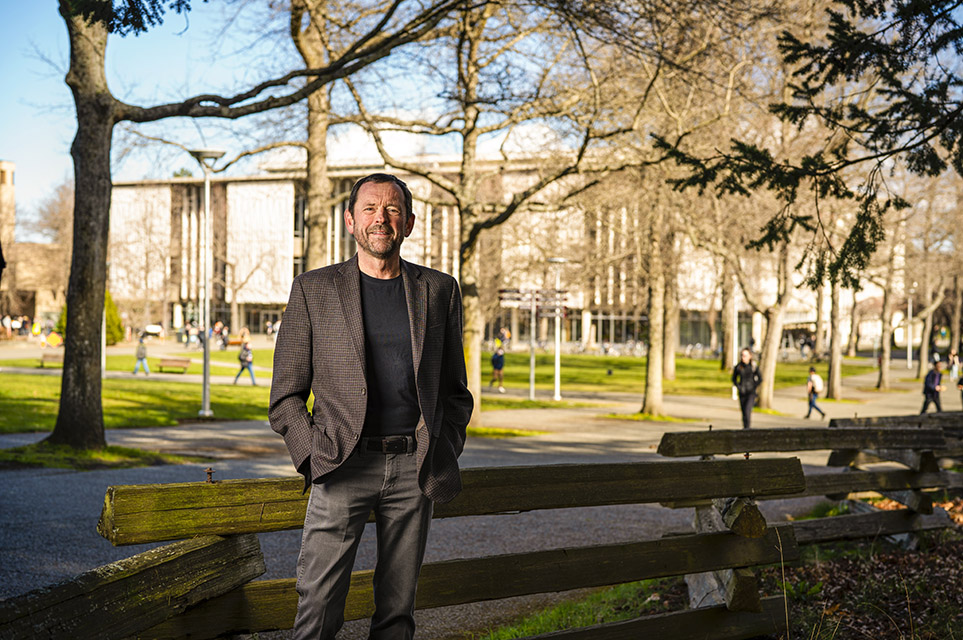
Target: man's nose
[380, 214]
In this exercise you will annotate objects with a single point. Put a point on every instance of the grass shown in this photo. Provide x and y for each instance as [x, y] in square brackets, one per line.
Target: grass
[493, 403]
[44, 454]
[626, 374]
[622, 602]
[30, 402]
[222, 362]
[485, 432]
[647, 417]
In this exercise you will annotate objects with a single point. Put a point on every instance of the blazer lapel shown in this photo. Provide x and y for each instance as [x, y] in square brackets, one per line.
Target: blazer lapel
[348, 285]
[417, 295]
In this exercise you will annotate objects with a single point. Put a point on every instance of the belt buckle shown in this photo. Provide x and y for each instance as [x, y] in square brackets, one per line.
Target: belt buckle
[394, 445]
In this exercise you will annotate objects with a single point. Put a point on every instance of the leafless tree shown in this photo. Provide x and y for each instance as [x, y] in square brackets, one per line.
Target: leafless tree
[80, 419]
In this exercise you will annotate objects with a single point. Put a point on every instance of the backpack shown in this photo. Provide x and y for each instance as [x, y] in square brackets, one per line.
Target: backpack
[817, 383]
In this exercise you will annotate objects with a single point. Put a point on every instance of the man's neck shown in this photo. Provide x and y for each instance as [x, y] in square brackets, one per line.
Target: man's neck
[382, 269]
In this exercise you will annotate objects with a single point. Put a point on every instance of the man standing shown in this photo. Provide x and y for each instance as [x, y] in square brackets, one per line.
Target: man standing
[379, 342]
[932, 387]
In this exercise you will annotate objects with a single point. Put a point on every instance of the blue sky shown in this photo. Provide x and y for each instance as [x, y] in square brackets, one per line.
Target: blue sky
[37, 121]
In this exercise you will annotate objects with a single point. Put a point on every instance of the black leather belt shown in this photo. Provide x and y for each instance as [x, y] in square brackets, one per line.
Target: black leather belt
[389, 444]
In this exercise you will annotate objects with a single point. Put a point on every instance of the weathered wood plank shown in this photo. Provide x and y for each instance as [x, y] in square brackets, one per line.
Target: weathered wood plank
[148, 513]
[742, 516]
[710, 623]
[730, 441]
[923, 461]
[925, 420]
[736, 588]
[912, 499]
[869, 525]
[268, 605]
[839, 484]
[123, 598]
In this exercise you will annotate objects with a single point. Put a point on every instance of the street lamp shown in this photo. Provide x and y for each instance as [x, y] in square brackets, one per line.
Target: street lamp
[558, 325]
[206, 158]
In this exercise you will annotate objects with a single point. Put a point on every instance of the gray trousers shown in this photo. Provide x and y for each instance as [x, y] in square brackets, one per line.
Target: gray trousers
[335, 519]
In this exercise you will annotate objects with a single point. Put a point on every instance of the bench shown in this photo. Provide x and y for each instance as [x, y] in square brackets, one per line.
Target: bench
[51, 358]
[237, 509]
[174, 363]
[949, 422]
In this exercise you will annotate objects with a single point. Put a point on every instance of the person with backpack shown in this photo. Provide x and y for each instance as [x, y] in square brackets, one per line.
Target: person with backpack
[746, 379]
[814, 386]
[246, 358]
[141, 356]
[498, 363]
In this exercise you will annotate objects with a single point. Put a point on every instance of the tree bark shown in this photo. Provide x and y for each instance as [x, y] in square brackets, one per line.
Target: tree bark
[317, 217]
[834, 385]
[671, 327]
[955, 327]
[80, 419]
[886, 328]
[729, 323]
[652, 400]
[819, 343]
[853, 343]
[774, 321]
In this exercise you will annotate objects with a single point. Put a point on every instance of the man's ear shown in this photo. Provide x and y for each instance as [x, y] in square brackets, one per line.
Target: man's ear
[409, 224]
[349, 221]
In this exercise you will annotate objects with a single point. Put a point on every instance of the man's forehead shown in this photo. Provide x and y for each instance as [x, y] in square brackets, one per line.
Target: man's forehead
[379, 190]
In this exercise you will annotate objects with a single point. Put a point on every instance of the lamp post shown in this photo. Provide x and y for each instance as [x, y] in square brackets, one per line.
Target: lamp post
[206, 158]
[558, 262]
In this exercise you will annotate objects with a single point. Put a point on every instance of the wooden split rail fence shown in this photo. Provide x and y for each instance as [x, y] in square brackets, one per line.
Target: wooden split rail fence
[152, 596]
[915, 448]
[205, 586]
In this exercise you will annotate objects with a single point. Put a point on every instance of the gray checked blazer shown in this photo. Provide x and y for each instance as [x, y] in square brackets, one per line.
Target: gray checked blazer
[320, 349]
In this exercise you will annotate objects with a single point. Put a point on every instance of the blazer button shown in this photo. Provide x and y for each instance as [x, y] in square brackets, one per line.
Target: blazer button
[364, 391]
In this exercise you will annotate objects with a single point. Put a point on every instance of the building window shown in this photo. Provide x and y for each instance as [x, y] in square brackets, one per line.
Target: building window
[298, 266]
[300, 203]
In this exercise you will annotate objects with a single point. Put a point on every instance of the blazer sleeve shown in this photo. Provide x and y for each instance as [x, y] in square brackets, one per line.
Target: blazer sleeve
[457, 399]
[291, 379]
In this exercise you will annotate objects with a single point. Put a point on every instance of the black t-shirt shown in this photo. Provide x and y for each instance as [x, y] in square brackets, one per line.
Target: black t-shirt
[392, 394]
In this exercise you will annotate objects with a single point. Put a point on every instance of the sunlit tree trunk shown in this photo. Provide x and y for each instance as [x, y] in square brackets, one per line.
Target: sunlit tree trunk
[834, 384]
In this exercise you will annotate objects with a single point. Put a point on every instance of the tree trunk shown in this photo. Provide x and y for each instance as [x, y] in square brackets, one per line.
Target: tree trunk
[886, 330]
[729, 321]
[652, 400]
[834, 384]
[924, 352]
[671, 327]
[80, 419]
[819, 343]
[854, 321]
[770, 354]
[474, 327]
[955, 327]
[318, 214]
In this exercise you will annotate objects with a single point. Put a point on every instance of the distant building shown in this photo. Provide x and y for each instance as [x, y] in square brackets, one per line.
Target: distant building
[35, 279]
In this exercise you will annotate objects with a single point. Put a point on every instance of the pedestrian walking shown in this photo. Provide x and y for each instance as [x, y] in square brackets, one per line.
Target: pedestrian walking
[954, 362]
[391, 408]
[932, 387]
[246, 358]
[141, 355]
[814, 386]
[498, 363]
[746, 379]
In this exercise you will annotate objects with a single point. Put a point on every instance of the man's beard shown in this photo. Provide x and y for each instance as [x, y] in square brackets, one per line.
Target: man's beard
[381, 247]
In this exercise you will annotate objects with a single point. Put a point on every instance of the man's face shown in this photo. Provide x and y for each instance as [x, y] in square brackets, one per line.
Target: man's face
[379, 222]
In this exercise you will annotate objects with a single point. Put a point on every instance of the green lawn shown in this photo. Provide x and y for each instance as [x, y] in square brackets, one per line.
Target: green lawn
[222, 362]
[627, 374]
[30, 402]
